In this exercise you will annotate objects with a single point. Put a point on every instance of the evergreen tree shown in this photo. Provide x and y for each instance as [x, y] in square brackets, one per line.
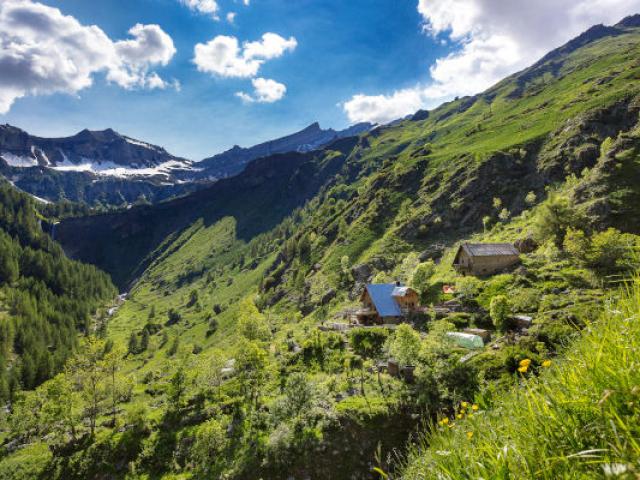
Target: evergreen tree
[133, 347]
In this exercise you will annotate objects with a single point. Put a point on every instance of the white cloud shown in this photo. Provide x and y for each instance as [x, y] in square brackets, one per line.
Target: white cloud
[495, 38]
[231, 17]
[223, 56]
[43, 52]
[206, 7]
[265, 91]
[383, 108]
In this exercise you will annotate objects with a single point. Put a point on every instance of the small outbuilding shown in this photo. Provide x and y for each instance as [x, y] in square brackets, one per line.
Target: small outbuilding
[485, 258]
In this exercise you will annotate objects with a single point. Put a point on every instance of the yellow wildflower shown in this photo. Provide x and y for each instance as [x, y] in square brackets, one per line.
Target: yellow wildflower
[546, 363]
[475, 407]
[460, 416]
[464, 404]
[445, 421]
[525, 363]
[523, 369]
[469, 435]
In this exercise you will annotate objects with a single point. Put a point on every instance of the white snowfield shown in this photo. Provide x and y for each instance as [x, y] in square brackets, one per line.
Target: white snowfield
[96, 167]
[19, 161]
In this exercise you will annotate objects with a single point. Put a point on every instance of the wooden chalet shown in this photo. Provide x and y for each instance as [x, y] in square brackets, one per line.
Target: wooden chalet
[386, 303]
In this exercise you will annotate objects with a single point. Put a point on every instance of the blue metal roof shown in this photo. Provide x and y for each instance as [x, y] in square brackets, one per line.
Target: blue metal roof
[382, 298]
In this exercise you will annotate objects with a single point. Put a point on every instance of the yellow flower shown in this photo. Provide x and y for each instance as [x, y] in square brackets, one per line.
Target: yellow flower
[523, 369]
[470, 415]
[546, 363]
[475, 407]
[464, 404]
[460, 416]
[445, 421]
[469, 435]
[525, 363]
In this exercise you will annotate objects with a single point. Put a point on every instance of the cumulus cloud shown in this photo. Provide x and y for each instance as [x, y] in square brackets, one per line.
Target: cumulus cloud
[225, 57]
[265, 91]
[383, 108]
[43, 52]
[494, 38]
[206, 7]
[231, 17]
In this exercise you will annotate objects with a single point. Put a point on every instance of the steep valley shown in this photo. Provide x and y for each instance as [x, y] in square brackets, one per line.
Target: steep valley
[232, 351]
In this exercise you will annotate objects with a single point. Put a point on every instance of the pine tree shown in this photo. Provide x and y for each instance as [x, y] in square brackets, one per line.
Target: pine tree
[133, 344]
[144, 341]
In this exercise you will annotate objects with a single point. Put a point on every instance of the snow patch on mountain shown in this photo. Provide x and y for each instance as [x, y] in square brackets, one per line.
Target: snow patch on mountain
[19, 161]
[114, 170]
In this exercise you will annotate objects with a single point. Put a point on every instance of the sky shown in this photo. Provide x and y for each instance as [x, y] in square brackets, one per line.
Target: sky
[199, 76]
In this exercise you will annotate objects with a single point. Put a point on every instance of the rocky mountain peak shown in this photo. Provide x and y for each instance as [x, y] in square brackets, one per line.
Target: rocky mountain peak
[632, 21]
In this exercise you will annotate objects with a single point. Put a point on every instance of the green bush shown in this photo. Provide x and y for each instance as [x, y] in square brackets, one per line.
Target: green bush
[368, 342]
[525, 300]
[460, 320]
[500, 311]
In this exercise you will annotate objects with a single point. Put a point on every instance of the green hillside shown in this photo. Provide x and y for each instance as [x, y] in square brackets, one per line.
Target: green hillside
[222, 361]
[578, 420]
[45, 298]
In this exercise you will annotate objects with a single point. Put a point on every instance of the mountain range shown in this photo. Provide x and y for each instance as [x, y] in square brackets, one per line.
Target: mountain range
[113, 169]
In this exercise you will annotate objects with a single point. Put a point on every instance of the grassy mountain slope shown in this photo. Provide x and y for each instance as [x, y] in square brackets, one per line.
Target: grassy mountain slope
[578, 420]
[246, 270]
[121, 243]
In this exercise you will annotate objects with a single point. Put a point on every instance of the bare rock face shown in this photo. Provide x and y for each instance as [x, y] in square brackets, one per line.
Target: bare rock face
[362, 275]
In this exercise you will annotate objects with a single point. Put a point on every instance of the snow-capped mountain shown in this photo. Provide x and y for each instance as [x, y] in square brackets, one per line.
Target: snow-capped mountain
[105, 153]
[107, 168]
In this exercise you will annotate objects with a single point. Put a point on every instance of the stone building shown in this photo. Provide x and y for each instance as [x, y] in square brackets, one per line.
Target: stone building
[485, 258]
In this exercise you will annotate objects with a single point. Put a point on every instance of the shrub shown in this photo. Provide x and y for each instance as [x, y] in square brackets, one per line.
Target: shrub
[210, 442]
[460, 320]
[556, 215]
[525, 300]
[499, 311]
[422, 275]
[405, 345]
[368, 342]
[173, 317]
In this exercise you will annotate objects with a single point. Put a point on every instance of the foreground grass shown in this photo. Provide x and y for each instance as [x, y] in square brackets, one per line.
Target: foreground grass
[580, 419]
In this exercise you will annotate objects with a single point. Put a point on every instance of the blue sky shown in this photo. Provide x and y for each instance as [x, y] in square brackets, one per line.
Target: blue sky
[66, 65]
[344, 47]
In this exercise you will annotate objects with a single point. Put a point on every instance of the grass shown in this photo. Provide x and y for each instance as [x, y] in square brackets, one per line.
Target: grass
[578, 419]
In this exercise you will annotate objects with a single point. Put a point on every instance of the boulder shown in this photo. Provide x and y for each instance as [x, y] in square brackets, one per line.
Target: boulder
[526, 244]
[434, 252]
[328, 296]
[362, 273]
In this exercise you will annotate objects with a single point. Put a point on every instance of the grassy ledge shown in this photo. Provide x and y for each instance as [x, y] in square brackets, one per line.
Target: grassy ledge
[580, 419]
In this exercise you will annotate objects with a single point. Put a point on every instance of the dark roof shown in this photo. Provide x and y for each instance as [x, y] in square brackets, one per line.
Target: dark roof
[382, 297]
[490, 249]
